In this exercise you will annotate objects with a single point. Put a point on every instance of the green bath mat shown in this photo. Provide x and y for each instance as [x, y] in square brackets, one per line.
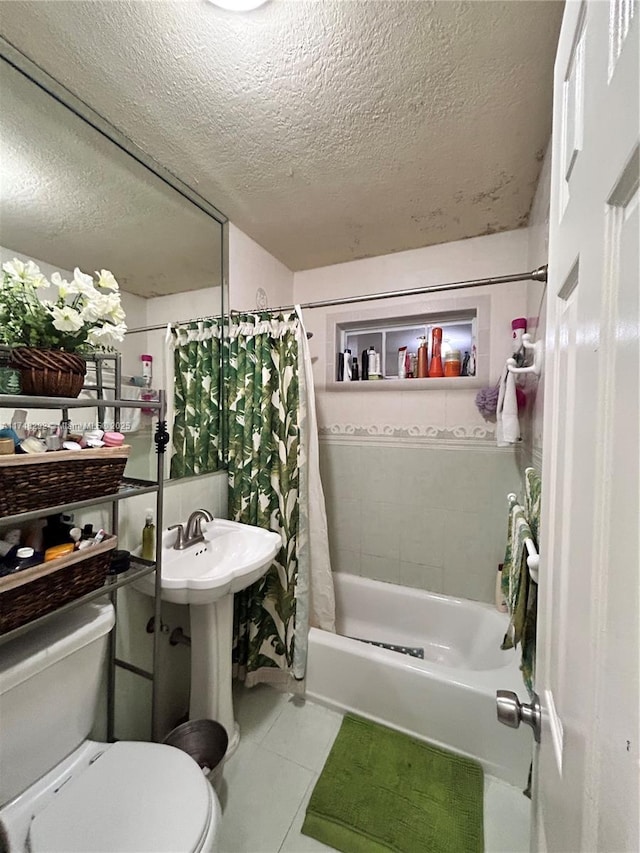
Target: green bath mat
[383, 791]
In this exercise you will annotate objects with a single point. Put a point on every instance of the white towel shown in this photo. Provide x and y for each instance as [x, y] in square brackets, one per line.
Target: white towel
[130, 418]
[508, 425]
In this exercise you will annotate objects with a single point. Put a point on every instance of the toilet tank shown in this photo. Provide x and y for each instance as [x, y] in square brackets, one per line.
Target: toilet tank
[49, 688]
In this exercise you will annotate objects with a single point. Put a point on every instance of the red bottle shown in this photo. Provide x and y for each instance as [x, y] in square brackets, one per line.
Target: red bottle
[435, 368]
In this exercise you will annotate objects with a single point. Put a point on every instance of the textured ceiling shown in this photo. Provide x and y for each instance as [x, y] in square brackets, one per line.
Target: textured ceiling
[327, 131]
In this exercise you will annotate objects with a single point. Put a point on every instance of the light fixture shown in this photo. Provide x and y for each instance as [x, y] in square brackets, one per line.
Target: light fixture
[238, 5]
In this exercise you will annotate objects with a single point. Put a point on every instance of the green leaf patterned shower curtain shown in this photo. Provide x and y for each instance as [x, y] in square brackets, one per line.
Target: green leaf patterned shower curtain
[262, 402]
[197, 422]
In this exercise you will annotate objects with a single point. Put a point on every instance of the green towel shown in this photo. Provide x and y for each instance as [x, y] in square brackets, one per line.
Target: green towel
[384, 792]
[515, 575]
[532, 495]
[519, 590]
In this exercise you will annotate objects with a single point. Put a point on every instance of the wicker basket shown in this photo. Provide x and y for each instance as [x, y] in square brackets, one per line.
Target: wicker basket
[41, 589]
[49, 373]
[36, 481]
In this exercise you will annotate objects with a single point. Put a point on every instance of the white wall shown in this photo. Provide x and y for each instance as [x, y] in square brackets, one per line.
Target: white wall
[252, 267]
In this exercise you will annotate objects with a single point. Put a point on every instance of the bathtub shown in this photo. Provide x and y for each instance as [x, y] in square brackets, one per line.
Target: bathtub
[449, 698]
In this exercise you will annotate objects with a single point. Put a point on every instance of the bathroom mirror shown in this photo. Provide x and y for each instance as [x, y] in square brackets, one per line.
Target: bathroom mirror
[75, 193]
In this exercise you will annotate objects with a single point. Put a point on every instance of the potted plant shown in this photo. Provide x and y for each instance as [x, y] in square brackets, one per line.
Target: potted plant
[51, 325]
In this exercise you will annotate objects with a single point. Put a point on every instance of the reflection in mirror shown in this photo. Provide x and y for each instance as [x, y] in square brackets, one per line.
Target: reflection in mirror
[70, 197]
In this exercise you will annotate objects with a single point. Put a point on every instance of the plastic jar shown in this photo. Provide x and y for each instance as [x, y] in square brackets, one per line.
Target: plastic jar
[452, 363]
[27, 557]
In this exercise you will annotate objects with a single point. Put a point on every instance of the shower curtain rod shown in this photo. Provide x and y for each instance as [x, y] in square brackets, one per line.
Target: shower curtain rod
[539, 274]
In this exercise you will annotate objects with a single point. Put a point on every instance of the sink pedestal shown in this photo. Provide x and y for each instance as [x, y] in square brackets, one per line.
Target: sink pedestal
[211, 640]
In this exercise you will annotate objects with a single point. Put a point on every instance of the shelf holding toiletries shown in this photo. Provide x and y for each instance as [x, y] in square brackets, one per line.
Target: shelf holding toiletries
[35, 591]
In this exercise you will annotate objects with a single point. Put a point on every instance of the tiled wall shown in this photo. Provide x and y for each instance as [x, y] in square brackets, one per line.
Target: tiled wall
[419, 514]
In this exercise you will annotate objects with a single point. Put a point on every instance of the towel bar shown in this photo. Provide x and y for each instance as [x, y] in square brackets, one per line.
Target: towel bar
[536, 367]
[533, 558]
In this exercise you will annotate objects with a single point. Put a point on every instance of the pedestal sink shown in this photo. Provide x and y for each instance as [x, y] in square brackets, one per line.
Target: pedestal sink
[205, 576]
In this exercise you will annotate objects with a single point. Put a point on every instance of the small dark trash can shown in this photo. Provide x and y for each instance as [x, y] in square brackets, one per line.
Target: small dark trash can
[206, 742]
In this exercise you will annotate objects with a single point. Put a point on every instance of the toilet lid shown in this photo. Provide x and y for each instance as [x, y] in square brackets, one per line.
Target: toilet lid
[135, 797]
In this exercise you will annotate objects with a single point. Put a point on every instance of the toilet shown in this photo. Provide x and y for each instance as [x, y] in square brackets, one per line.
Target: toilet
[60, 791]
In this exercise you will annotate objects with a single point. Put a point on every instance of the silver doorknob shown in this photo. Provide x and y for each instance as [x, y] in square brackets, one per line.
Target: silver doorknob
[512, 712]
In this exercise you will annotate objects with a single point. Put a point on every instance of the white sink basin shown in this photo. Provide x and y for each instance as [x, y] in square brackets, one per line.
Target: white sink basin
[232, 557]
[205, 576]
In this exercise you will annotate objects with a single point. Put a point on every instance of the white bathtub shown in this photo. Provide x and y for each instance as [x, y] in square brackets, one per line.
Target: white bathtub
[449, 697]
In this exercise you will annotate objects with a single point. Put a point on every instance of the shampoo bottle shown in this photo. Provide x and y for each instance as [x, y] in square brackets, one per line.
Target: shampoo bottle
[435, 368]
[422, 358]
[149, 537]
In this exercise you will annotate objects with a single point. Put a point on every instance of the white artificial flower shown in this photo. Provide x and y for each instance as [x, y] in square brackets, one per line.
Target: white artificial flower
[85, 284]
[66, 319]
[107, 335]
[22, 273]
[102, 307]
[107, 280]
[94, 310]
[65, 288]
[112, 309]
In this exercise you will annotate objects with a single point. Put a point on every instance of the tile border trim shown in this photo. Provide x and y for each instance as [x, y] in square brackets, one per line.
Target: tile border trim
[409, 436]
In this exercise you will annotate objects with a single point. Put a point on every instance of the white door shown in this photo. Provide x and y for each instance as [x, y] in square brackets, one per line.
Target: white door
[586, 791]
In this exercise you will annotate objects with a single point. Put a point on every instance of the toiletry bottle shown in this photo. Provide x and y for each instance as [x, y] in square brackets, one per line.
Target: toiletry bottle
[374, 364]
[422, 358]
[347, 366]
[149, 537]
[452, 364]
[518, 328]
[465, 364]
[471, 367]
[364, 361]
[58, 551]
[147, 362]
[435, 368]
[355, 374]
[402, 362]
[27, 557]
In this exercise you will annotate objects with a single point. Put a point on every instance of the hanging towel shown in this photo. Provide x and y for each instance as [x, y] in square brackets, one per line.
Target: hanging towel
[515, 575]
[508, 426]
[532, 494]
[520, 593]
[130, 418]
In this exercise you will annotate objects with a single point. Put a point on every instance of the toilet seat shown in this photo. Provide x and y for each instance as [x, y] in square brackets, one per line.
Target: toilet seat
[134, 797]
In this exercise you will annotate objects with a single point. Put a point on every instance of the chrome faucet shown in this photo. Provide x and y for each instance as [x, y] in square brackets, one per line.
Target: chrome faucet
[194, 532]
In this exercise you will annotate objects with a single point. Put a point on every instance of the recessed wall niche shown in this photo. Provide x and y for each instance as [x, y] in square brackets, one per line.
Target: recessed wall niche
[464, 322]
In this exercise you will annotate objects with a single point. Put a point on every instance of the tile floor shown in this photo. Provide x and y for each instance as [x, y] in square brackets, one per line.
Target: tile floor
[269, 780]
